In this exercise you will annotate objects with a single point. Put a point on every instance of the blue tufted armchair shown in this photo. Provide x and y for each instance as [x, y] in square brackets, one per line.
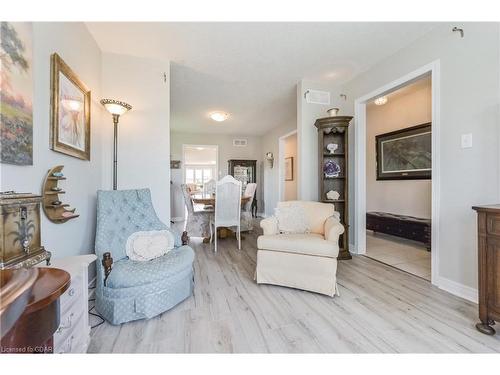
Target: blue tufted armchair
[129, 290]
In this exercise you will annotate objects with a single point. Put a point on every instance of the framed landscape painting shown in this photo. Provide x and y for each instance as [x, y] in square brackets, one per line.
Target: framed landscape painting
[16, 93]
[405, 154]
[289, 169]
[70, 111]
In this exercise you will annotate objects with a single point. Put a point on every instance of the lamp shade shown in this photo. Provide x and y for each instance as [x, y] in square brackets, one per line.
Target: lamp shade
[116, 107]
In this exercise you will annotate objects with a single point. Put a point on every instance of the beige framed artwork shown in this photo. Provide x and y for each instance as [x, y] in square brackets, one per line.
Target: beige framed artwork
[289, 169]
[70, 111]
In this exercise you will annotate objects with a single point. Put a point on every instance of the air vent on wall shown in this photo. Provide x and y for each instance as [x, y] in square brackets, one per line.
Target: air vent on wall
[317, 97]
[240, 142]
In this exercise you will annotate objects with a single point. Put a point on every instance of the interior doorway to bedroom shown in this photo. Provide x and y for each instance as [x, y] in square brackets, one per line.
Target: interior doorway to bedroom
[398, 177]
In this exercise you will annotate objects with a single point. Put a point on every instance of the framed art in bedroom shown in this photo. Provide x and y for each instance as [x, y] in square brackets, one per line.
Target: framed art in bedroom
[405, 154]
[70, 111]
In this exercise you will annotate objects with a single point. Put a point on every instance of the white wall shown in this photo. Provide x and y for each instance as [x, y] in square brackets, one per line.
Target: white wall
[469, 104]
[307, 135]
[144, 132]
[78, 49]
[270, 176]
[226, 152]
[291, 152]
[404, 197]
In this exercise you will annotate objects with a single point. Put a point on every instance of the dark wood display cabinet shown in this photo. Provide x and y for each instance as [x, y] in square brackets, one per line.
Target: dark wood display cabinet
[488, 228]
[246, 172]
[333, 150]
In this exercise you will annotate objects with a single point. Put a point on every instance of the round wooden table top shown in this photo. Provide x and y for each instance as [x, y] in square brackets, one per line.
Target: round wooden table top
[211, 200]
[49, 285]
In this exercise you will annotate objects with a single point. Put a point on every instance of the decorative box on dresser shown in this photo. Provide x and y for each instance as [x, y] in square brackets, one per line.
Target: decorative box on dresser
[488, 225]
[73, 334]
[334, 130]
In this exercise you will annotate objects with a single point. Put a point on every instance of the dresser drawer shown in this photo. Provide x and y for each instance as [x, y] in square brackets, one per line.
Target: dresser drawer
[72, 295]
[493, 224]
[71, 324]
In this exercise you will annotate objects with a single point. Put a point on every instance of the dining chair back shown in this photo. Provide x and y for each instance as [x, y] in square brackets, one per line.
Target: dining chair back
[209, 187]
[187, 199]
[227, 207]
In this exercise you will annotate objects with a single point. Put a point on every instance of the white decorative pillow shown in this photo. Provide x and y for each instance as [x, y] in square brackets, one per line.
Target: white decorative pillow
[291, 219]
[147, 245]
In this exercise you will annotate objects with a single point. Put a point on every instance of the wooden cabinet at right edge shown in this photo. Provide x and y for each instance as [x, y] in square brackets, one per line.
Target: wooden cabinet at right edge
[488, 221]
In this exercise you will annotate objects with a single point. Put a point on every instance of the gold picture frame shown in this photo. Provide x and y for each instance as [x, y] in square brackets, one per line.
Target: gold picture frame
[70, 111]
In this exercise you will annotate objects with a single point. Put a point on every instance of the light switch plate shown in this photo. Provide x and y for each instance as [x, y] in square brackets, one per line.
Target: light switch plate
[467, 140]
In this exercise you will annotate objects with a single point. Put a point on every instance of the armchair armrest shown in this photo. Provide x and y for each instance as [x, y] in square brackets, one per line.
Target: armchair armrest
[269, 225]
[107, 263]
[333, 229]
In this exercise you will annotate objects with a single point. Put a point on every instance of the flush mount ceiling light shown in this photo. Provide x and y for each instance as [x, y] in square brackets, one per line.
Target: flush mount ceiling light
[219, 116]
[381, 101]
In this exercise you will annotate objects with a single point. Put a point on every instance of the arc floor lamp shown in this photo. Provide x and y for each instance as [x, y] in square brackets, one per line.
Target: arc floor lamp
[116, 108]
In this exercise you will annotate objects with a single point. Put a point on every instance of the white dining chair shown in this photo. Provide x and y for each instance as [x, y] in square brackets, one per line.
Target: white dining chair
[246, 212]
[227, 208]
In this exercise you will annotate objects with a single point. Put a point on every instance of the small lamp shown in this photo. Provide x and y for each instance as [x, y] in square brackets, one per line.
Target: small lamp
[270, 158]
[116, 108]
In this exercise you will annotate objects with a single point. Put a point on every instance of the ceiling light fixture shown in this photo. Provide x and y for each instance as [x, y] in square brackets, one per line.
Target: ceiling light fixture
[381, 101]
[219, 116]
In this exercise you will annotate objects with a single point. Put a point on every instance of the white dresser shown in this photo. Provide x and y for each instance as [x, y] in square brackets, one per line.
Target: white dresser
[73, 334]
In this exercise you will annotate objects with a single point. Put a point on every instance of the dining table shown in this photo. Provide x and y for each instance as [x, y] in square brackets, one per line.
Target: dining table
[209, 200]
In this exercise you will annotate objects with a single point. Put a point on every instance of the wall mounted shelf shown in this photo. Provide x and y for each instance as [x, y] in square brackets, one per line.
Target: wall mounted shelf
[57, 213]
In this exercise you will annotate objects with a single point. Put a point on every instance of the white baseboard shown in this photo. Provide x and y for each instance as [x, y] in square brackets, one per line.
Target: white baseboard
[177, 219]
[457, 289]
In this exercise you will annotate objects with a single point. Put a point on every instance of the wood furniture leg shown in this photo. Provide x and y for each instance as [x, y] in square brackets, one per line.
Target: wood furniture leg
[107, 263]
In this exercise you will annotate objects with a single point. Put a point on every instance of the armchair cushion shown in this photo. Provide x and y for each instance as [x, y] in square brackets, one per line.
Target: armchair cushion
[316, 213]
[269, 225]
[128, 273]
[291, 218]
[307, 243]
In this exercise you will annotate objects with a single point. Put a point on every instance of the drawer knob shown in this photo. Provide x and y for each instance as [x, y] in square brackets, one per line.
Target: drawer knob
[71, 292]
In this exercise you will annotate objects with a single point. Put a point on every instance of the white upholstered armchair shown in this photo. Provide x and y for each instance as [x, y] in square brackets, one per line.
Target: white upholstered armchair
[305, 261]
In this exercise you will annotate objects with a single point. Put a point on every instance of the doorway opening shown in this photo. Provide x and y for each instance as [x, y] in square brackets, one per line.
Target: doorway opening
[398, 178]
[404, 227]
[287, 165]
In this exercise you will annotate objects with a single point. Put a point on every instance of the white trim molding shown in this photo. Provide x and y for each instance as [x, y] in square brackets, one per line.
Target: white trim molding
[281, 164]
[457, 289]
[433, 69]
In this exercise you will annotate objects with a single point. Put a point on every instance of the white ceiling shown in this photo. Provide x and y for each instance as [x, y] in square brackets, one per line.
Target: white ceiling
[250, 70]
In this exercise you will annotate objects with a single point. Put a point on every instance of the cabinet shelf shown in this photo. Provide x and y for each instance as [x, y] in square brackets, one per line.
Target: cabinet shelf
[340, 183]
[55, 192]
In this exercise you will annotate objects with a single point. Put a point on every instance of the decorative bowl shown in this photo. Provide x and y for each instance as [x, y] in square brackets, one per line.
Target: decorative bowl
[331, 169]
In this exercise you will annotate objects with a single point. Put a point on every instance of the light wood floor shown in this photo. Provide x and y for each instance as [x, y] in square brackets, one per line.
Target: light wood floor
[380, 309]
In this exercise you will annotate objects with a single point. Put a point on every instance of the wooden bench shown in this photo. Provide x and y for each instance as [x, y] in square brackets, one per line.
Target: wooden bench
[409, 227]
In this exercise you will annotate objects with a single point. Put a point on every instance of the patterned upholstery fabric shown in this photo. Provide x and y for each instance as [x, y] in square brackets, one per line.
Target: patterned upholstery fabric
[128, 273]
[137, 290]
[197, 222]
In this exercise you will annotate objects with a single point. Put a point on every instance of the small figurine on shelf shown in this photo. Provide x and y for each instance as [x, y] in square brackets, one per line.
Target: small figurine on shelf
[57, 174]
[332, 195]
[55, 188]
[332, 147]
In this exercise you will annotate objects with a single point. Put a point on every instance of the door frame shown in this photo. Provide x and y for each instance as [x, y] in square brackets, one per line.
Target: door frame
[185, 145]
[359, 247]
[281, 164]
